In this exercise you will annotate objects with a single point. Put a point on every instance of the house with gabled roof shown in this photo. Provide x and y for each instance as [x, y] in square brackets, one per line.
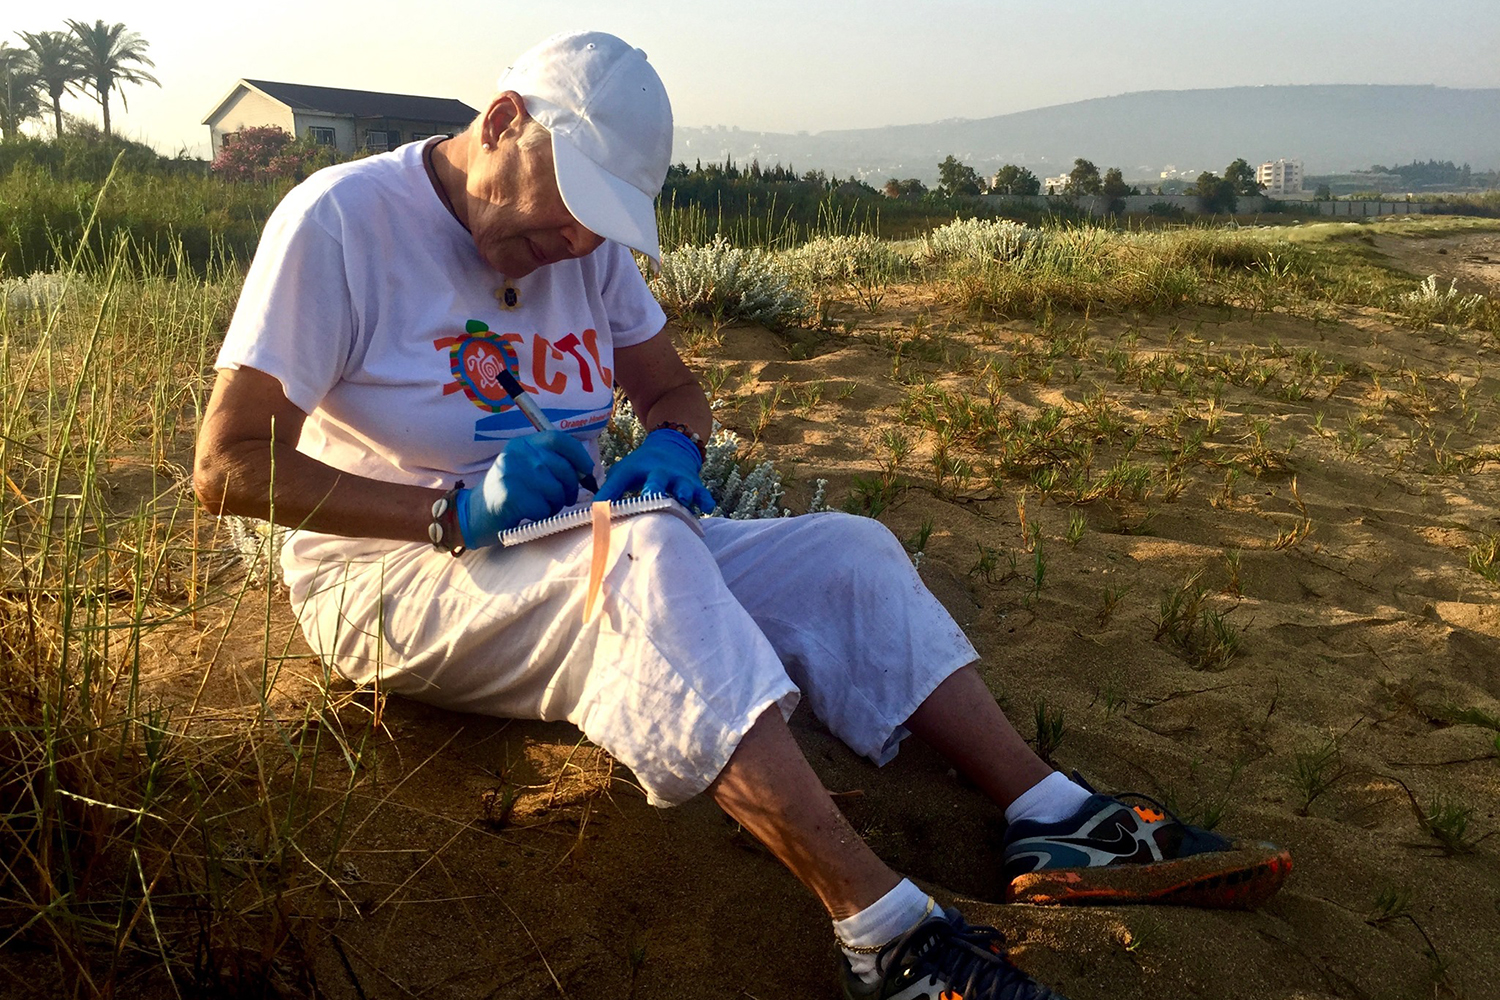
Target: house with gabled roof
[348, 120]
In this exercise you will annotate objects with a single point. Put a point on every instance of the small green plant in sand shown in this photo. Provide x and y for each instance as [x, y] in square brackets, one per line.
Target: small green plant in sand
[1218, 640]
[635, 957]
[1205, 810]
[870, 496]
[1038, 570]
[1470, 717]
[1179, 609]
[700, 333]
[1232, 569]
[1446, 820]
[1142, 936]
[1111, 696]
[1390, 903]
[1113, 594]
[895, 445]
[1051, 728]
[1484, 557]
[766, 404]
[808, 396]
[1315, 771]
[987, 564]
[1226, 498]
[1293, 536]
[1203, 634]
[1077, 525]
[916, 545]
[715, 377]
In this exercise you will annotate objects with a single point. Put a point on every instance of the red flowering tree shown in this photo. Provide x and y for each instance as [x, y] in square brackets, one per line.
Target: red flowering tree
[266, 152]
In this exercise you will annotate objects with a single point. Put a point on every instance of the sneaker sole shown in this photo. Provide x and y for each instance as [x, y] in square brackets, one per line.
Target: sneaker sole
[1241, 878]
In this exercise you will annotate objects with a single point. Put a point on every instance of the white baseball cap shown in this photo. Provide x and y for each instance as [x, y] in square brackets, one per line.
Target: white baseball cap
[611, 126]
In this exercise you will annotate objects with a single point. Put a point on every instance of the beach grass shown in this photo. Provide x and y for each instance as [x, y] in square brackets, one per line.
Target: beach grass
[1071, 401]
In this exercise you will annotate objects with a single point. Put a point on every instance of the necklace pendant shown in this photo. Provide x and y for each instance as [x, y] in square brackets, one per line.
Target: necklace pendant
[507, 296]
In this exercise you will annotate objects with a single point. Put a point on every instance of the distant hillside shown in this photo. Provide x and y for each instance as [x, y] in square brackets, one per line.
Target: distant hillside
[1329, 128]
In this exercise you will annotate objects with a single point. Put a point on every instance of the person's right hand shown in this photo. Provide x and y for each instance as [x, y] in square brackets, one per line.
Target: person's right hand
[534, 477]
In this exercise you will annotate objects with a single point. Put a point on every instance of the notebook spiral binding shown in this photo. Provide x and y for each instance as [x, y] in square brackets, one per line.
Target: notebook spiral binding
[579, 516]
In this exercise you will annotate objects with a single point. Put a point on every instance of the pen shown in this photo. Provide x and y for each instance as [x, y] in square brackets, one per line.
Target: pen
[537, 417]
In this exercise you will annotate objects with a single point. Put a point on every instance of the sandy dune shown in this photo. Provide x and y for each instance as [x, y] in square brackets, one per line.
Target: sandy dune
[1338, 556]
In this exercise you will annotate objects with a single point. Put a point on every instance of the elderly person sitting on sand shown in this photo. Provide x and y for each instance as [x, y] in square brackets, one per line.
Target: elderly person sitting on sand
[359, 373]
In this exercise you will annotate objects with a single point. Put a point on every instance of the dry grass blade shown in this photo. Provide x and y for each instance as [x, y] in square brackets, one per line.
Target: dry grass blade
[532, 937]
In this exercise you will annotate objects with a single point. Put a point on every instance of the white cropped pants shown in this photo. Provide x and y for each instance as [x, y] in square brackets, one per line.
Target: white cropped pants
[694, 637]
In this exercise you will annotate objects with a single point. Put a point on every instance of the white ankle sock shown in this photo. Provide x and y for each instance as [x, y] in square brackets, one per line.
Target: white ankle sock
[1049, 800]
[884, 920]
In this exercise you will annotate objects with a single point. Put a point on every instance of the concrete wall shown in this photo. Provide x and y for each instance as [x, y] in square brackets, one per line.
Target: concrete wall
[1140, 204]
[1098, 205]
[248, 109]
[1028, 201]
[1361, 209]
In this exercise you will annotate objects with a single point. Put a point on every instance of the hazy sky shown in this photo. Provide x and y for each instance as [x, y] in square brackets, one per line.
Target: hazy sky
[786, 65]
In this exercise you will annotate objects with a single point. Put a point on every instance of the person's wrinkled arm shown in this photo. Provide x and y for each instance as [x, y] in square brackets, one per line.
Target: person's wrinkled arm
[248, 442]
[660, 387]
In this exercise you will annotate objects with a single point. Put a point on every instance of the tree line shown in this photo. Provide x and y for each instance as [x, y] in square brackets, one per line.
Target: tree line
[959, 180]
[1215, 193]
[91, 60]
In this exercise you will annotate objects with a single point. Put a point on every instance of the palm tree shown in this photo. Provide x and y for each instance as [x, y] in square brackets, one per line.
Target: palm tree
[19, 90]
[54, 58]
[104, 50]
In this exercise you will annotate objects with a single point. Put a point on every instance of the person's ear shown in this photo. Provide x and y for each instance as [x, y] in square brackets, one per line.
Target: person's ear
[506, 112]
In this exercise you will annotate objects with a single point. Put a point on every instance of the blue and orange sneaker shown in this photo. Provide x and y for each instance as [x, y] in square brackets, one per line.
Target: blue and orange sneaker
[1109, 853]
[944, 958]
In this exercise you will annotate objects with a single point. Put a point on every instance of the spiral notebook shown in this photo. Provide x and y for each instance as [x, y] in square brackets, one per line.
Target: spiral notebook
[581, 515]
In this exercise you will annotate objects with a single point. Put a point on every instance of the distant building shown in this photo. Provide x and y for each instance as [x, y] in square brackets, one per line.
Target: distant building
[1055, 185]
[345, 119]
[1281, 177]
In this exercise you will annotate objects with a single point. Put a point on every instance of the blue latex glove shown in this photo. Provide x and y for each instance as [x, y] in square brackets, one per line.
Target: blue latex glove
[534, 477]
[666, 462]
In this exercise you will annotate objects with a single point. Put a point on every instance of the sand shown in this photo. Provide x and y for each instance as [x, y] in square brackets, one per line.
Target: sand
[1364, 625]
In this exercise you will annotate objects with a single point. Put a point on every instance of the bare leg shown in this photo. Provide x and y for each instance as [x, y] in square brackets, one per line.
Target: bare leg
[961, 721]
[771, 790]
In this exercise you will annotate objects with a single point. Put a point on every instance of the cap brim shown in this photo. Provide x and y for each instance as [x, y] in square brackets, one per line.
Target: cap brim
[606, 205]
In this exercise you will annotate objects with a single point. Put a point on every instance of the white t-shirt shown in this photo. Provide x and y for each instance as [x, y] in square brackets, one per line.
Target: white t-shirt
[369, 303]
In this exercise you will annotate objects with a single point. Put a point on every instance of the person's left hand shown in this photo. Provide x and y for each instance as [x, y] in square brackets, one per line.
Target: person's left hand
[666, 462]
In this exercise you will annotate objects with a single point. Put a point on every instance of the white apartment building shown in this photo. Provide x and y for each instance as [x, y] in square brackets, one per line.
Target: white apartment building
[1055, 185]
[1281, 177]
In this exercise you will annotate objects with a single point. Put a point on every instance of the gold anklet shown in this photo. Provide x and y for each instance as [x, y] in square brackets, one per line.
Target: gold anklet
[873, 949]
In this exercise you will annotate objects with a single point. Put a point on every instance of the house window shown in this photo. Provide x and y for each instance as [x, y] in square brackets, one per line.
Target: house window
[321, 136]
[378, 139]
[227, 139]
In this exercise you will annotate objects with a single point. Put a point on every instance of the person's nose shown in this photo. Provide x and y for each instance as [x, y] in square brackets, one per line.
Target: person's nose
[581, 241]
